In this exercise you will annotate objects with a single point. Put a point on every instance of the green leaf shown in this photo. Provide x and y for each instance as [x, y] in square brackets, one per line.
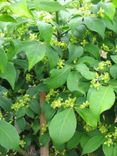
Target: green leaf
[35, 51]
[114, 58]
[34, 106]
[8, 136]
[93, 50]
[20, 124]
[88, 116]
[46, 31]
[3, 60]
[52, 57]
[85, 72]
[90, 61]
[109, 10]
[74, 141]
[20, 9]
[50, 6]
[9, 74]
[62, 127]
[58, 77]
[115, 3]
[5, 103]
[73, 82]
[95, 24]
[93, 143]
[113, 71]
[110, 150]
[101, 99]
[75, 52]
[7, 18]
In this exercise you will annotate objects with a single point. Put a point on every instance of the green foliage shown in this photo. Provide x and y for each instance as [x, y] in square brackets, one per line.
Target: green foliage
[8, 136]
[68, 50]
[64, 120]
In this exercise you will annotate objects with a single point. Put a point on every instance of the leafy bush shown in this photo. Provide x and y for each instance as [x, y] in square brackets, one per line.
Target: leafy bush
[68, 51]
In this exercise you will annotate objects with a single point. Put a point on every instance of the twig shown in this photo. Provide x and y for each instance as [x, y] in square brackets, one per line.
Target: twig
[44, 150]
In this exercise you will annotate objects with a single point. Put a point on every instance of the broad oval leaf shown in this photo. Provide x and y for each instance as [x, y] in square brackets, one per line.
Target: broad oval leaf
[114, 58]
[50, 6]
[21, 9]
[35, 51]
[9, 74]
[101, 99]
[85, 72]
[9, 137]
[113, 71]
[88, 116]
[58, 77]
[73, 81]
[75, 52]
[93, 143]
[95, 24]
[46, 31]
[62, 127]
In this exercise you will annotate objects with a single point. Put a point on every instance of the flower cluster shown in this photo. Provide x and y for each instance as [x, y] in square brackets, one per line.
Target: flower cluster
[88, 128]
[84, 42]
[22, 143]
[100, 12]
[59, 44]
[84, 105]
[100, 79]
[68, 103]
[60, 63]
[21, 102]
[51, 94]
[57, 103]
[85, 10]
[103, 128]
[29, 78]
[110, 137]
[32, 36]
[44, 16]
[105, 47]
[103, 65]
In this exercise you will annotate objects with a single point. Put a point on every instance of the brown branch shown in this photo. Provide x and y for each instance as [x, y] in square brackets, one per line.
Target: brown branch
[44, 150]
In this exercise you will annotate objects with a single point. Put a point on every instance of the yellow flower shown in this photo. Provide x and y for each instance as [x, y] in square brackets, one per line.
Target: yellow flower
[70, 102]
[29, 77]
[101, 65]
[22, 102]
[57, 103]
[84, 42]
[60, 63]
[96, 84]
[108, 142]
[105, 47]
[32, 36]
[103, 129]
[84, 105]
[22, 143]
[105, 77]
[88, 128]
[101, 12]
[51, 93]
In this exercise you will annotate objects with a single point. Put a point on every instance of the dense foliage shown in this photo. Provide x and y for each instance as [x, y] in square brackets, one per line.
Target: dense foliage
[68, 50]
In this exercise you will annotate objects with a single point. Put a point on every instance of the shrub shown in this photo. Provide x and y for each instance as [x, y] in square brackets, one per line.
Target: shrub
[58, 61]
